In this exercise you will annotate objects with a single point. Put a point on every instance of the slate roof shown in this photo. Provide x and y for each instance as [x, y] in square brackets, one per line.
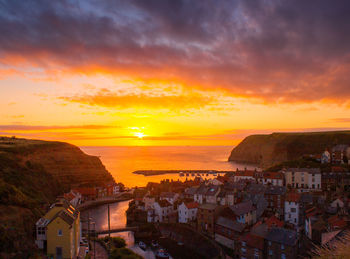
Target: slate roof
[164, 203]
[202, 189]
[169, 195]
[273, 175]
[306, 198]
[242, 208]
[230, 224]
[282, 236]
[65, 216]
[275, 190]
[212, 190]
[208, 206]
[191, 190]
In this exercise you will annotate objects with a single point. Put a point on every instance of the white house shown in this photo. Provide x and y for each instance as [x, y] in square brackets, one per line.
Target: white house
[273, 178]
[169, 196]
[304, 179]
[292, 208]
[149, 201]
[244, 175]
[162, 210]
[187, 212]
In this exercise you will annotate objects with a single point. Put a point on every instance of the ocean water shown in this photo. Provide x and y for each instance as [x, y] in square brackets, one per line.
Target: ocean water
[121, 162]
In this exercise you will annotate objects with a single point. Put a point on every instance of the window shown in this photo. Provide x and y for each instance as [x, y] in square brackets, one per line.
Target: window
[269, 243]
[282, 246]
[270, 252]
[283, 256]
[293, 210]
[243, 250]
[59, 232]
[243, 243]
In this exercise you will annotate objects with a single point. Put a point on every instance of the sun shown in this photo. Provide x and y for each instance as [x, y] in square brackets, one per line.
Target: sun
[140, 135]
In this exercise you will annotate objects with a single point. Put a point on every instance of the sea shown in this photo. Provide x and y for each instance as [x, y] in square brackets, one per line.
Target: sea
[121, 162]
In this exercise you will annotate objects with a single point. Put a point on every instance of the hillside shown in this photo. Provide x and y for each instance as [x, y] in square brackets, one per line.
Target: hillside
[32, 174]
[269, 150]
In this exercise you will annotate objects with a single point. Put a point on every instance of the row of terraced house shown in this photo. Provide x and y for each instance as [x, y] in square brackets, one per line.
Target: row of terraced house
[256, 214]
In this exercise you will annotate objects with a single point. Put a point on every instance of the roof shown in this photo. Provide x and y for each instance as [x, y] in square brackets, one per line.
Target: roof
[202, 189]
[230, 224]
[246, 173]
[253, 241]
[283, 236]
[208, 206]
[191, 190]
[169, 195]
[308, 170]
[212, 190]
[336, 222]
[164, 203]
[273, 175]
[65, 216]
[275, 190]
[306, 198]
[293, 197]
[274, 222]
[242, 208]
[191, 205]
[42, 222]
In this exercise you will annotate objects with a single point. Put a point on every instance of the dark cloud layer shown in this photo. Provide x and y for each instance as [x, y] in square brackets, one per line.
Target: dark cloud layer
[278, 50]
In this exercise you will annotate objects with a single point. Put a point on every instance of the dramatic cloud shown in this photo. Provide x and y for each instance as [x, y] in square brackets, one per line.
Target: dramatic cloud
[286, 51]
[106, 98]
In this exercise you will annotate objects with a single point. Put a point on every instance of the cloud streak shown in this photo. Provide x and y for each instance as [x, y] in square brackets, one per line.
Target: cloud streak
[286, 51]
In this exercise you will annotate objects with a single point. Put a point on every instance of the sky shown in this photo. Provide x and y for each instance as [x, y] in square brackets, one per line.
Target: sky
[165, 72]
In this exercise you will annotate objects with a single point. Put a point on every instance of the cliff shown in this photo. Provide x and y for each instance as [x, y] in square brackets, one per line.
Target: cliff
[269, 150]
[32, 174]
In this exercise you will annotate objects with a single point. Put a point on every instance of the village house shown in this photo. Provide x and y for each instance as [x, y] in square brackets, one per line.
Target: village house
[245, 212]
[206, 217]
[58, 232]
[338, 177]
[275, 199]
[148, 201]
[199, 195]
[304, 179]
[339, 154]
[211, 194]
[87, 193]
[187, 212]
[282, 243]
[245, 175]
[272, 178]
[190, 192]
[171, 197]
[163, 209]
[214, 181]
[292, 208]
[252, 246]
[228, 232]
[326, 157]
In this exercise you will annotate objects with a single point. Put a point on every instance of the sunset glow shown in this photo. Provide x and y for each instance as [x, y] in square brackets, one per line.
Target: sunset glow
[210, 75]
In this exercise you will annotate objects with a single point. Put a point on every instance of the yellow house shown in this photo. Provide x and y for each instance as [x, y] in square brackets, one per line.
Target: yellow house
[58, 232]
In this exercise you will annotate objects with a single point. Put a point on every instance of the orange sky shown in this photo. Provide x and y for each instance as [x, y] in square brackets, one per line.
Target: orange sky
[105, 76]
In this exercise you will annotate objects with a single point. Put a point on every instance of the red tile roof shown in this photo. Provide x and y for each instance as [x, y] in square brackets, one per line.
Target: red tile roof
[274, 222]
[253, 241]
[273, 175]
[293, 197]
[191, 205]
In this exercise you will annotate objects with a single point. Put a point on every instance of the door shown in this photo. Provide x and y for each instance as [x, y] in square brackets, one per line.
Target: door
[59, 253]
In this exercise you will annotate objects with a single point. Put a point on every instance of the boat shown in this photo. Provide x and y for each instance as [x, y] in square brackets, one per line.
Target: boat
[162, 254]
[142, 245]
